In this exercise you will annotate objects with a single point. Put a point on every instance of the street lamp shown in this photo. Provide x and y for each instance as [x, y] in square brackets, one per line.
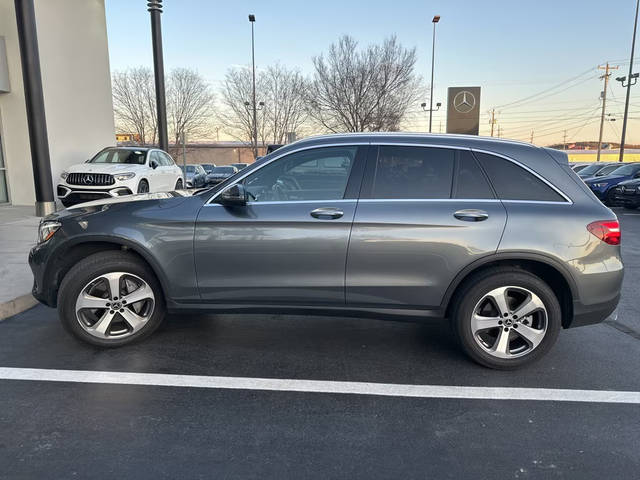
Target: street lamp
[424, 107]
[252, 20]
[629, 84]
[435, 20]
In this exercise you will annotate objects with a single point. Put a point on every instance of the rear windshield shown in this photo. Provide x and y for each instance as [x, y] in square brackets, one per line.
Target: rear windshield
[607, 170]
[115, 155]
[593, 168]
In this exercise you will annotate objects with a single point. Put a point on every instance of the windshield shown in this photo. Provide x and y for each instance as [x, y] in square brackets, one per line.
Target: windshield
[119, 155]
[606, 170]
[223, 170]
[591, 169]
[624, 170]
[188, 168]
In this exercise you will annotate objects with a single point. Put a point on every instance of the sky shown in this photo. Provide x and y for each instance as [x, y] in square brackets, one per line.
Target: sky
[512, 49]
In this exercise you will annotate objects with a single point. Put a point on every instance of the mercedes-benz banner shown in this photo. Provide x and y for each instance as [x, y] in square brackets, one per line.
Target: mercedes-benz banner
[463, 110]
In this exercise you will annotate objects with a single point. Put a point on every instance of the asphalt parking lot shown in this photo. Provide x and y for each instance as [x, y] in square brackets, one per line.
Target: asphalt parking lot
[61, 429]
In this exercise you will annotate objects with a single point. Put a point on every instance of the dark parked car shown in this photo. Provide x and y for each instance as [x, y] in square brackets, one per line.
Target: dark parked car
[499, 237]
[220, 174]
[604, 187]
[598, 169]
[195, 175]
[208, 167]
[240, 166]
[627, 194]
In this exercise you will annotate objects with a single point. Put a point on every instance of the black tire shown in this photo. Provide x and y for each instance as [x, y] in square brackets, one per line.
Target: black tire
[476, 287]
[99, 264]
[179, 184]
[143, 186]
[610, 199]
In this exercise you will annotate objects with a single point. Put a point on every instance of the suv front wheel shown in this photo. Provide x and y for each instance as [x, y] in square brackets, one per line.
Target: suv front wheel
[110, 299]
[506, 318]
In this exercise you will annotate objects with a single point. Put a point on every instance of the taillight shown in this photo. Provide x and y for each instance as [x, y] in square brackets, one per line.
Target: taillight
[606, 230]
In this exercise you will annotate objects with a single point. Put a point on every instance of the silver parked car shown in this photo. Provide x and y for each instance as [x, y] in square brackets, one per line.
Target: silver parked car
[500, 237]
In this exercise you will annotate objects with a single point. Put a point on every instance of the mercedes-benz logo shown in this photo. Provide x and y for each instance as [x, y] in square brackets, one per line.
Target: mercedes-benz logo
[464, 102]
[87, 179]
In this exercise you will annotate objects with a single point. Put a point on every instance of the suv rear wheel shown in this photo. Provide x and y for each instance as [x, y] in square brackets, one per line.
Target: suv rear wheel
[506, 318]
[110, 299]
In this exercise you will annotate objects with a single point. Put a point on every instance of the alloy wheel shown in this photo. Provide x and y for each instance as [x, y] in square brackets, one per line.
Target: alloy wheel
[114, 305]
[509, 322]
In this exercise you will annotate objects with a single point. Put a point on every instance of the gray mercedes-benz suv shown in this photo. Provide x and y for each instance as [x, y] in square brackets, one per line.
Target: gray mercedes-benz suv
[500, 237]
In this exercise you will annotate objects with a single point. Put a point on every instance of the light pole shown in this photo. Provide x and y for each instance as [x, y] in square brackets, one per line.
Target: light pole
[430, 110]
[155, 10]
[252, 20]
[626, 103]
[435, 20]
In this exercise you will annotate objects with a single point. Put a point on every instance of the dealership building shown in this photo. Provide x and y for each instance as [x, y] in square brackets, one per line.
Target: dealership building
[71, 113]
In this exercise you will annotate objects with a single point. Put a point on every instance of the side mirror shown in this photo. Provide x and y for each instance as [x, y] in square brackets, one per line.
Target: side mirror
[153, 164]
[234, 196]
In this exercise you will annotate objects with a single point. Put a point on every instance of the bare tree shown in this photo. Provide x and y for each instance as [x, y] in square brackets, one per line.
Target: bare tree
[134, 103]
[363, 90]
[236, 115]
[285, 102]
[189, 105]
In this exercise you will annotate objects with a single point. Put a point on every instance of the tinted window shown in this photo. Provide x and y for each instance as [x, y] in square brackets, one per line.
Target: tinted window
[591, 169]
[606, 170]
[413, 172]
[318, 174]
[470, 181]
[512, 182]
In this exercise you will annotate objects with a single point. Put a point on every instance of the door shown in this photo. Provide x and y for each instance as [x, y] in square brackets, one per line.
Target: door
[170, 172]
[424, 214]
[288, 245]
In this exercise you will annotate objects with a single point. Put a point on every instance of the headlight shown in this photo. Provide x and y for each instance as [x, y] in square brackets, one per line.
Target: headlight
[46, 230]
[638, 189]
[598, 185]
[64, 175]
[124, 176]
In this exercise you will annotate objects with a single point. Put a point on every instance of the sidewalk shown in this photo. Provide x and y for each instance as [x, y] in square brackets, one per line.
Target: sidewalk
[18, 233]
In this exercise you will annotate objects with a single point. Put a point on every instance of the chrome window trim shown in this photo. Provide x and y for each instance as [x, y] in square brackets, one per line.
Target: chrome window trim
[431, 200]
[292, 202]
[412, 144]
[284, 154]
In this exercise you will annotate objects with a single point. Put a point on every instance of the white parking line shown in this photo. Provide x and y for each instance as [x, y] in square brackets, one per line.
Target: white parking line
[319, 386]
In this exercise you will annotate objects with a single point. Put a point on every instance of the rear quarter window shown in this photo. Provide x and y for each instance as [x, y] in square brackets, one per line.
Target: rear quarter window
[512, 182]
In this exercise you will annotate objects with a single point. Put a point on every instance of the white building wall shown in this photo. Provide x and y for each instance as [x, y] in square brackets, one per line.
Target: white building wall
[74, 60]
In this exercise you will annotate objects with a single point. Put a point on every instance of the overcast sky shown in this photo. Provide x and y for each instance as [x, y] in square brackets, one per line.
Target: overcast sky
[512, 49]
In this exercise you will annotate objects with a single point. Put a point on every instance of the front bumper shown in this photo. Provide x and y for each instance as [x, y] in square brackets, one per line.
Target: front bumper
[71, 195]
[37, 261]
[628, 200]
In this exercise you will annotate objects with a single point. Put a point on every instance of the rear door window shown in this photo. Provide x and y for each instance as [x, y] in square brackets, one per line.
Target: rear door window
[471, 182]
[413, 173]
[512, 182]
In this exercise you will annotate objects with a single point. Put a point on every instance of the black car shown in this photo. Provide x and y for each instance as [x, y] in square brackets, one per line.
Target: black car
[220, 174]
[208, 167]
[627, 193]
[240, 166]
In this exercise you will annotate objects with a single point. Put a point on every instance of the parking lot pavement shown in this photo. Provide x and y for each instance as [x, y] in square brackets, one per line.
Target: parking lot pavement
[62, 429]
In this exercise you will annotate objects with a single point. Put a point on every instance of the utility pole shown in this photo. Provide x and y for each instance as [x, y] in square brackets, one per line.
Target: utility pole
[606, 76]
[531, 136]
[493, 120]
[626, 103]
[564, 140]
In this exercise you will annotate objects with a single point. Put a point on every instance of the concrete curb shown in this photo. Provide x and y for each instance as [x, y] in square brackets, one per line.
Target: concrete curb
[17, 305]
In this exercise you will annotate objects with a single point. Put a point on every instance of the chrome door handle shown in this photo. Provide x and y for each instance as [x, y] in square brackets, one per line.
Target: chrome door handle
[327, 213]
[471, 215]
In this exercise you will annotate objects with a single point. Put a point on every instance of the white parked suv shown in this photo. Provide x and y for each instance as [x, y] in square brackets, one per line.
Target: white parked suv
[118, 171]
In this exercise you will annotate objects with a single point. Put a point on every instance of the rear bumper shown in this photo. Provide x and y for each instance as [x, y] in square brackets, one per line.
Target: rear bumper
[591, 314]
